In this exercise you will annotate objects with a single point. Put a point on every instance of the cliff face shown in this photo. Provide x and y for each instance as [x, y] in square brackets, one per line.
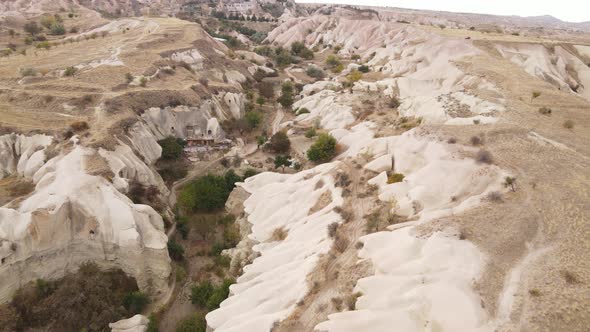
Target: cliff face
[79, 212]
[73, 217]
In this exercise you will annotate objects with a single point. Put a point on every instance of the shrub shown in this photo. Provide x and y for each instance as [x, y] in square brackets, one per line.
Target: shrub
[484, 157]
[279, 143]
[338, 69]
[283, 57]
[475, 140]
[260, 101]
[44, 44]
[254, 118]
[219, 294]
[332, 61]
[249, 173]
[28, 72]
[32, 28]
[171, 148]
[57, 29]
[182, 227]
[194, 323]
[200, 293]
[135, 302]
[279, 234]
[363, 69]
[79, 126]
[302, 110]
[395, 178]
[175, 250]
[354, 76]
[545, 110]
[510, 182]
[266, 90]
[452, 140]
[143, 81]
[535, 94]
[286, 98]
[152, 324]
[315, 72]
[494, 196]
[129, 77]
[323, 150]
[70, 71]
[332, 229]
[311, 132]
[568, 124]
[299, 49]
[282, 161]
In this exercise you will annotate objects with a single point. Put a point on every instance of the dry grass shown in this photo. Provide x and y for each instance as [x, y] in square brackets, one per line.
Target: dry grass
[279, 234]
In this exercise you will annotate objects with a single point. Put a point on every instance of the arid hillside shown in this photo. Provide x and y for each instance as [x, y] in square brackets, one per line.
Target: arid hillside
[337, 169]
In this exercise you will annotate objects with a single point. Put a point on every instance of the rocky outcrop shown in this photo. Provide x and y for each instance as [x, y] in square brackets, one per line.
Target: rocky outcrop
[21, 154]
[137, 323]
[205, 119]
[76, 214]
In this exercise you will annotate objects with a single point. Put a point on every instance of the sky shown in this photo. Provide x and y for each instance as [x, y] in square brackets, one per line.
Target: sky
[565, 10]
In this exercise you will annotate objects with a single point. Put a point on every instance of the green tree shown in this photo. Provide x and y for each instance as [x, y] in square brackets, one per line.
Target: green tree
[323, 150]
[279, 143]
[297, 47]
[260, 140]
[254, 118]
[134, 302]
[266, 90]
[171, 148]
[286, 98]
[230, 179]
[283, 57]
[282, 161]
[207, 193]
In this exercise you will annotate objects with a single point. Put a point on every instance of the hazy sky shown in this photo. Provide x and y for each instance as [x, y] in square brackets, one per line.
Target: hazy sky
[566, 10]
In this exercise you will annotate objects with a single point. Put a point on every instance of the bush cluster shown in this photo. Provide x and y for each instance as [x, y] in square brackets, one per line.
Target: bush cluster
[323, 149]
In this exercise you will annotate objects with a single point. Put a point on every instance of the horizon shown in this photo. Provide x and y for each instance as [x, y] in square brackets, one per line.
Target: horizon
[566, 10]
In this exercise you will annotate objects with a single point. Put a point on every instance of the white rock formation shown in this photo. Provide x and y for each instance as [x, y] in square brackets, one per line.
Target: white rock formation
[555, 65]
[420, 284]
[205, 118]
[191, 57]
[74, 217]
[22, 154]
[328, 108]
[419, 63]
[137, 323]
[271, 286]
